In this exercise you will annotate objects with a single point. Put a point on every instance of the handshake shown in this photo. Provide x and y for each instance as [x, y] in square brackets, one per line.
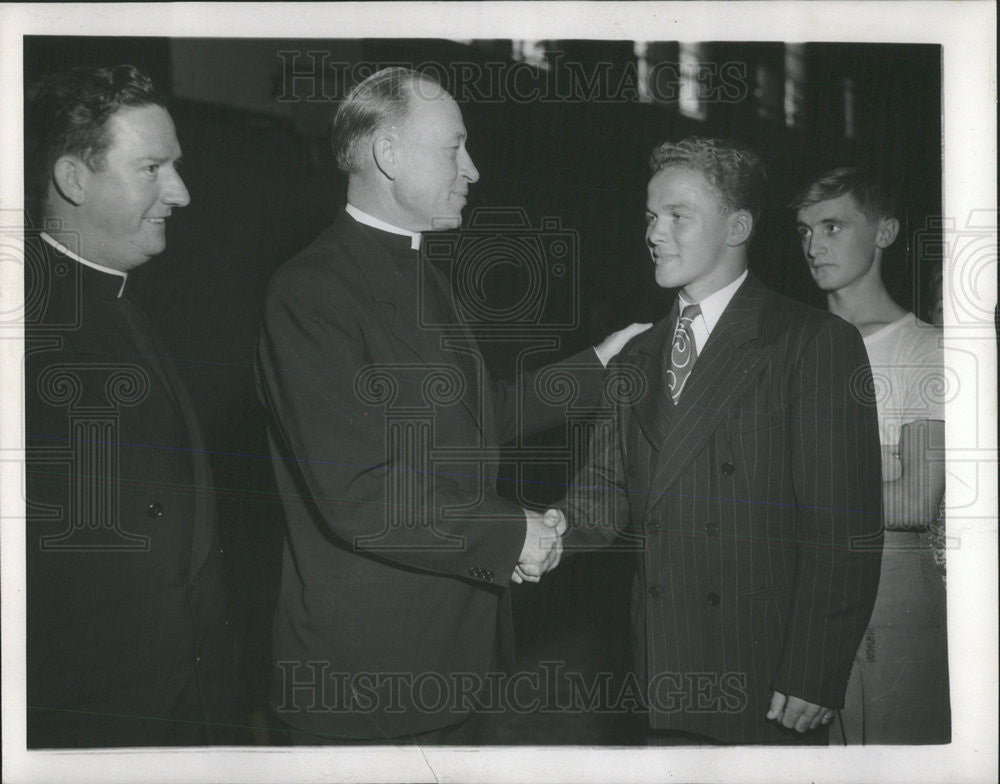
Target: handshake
[542, 545]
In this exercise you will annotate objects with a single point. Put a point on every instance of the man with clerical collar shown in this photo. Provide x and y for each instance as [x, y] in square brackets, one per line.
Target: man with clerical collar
[126, 629]
[746, 478]
[392, 611]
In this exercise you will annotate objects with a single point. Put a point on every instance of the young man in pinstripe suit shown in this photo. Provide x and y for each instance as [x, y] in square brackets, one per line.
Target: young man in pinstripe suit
[745, 477]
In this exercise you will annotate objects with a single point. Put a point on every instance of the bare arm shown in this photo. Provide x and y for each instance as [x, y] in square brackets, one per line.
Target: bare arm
[910, 501]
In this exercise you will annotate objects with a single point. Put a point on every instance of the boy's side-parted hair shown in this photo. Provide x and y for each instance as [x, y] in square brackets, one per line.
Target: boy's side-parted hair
[735, 171]
[866, 187]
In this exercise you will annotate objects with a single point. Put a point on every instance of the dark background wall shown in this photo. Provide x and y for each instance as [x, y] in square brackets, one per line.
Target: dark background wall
[568, 139]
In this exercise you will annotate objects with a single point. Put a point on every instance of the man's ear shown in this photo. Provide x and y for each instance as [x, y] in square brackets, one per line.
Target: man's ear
[888, 228]
[69, 176]
[740, 228]
[385, 152]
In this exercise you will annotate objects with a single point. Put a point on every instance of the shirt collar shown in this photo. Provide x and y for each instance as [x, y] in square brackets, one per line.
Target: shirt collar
[369, 220]
[713, 306]
[99, 267]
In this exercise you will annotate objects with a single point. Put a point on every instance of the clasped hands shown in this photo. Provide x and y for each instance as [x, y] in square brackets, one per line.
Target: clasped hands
[542, 545]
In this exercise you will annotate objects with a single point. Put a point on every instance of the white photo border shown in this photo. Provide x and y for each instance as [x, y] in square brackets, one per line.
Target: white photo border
[967, 33]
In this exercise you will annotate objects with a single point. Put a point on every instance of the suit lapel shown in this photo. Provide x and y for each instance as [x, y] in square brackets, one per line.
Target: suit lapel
[726, 367]
[653, 411]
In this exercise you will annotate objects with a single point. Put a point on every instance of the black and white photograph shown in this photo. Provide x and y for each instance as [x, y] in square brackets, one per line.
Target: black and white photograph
[499, 392]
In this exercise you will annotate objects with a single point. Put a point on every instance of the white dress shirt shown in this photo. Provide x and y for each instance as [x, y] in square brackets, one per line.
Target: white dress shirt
[712, 308]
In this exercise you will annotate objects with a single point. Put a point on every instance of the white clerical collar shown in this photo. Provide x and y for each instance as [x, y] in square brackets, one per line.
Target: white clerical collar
[713, 306]
[370, 220]
[99, 267]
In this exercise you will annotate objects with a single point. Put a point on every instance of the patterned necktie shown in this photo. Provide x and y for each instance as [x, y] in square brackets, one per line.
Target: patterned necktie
[683, 352]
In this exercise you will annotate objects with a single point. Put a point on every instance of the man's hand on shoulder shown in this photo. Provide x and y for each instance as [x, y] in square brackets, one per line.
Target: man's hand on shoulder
[608, 348]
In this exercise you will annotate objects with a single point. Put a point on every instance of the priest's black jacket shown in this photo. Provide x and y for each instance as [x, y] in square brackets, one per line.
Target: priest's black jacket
[385, 429]
[127, 641]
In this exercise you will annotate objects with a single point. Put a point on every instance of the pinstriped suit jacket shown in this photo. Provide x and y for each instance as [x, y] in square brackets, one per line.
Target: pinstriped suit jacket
[754, 506]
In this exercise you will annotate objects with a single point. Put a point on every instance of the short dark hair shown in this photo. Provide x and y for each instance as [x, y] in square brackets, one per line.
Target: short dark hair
[734, 171]
[68, 113]
[868, 188]
[384, 97]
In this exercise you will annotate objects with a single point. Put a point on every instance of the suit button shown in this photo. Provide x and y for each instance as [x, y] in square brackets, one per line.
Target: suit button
[653, 527]
[728, 469]
[712, 529]
[713, 599]
[631, 470]
[155, 510]
[654, 592]
[489, 575]
[473, 571]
